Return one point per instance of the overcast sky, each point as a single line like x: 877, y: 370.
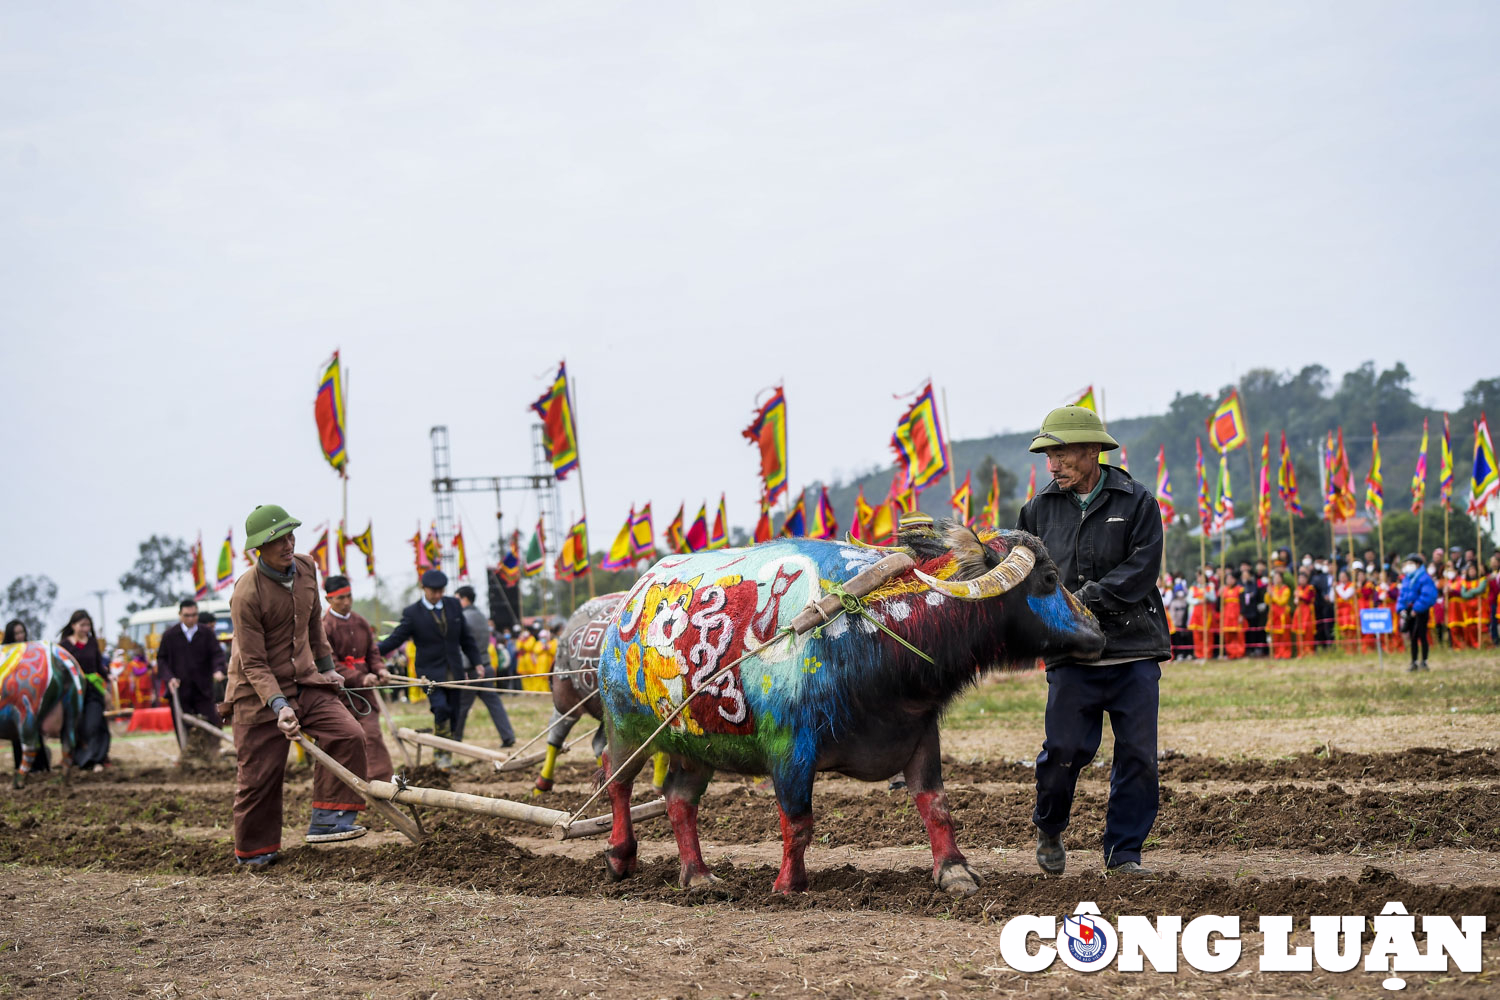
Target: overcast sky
x: 200, y: 201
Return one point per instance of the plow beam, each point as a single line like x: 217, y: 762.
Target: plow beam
x: 502, y: 761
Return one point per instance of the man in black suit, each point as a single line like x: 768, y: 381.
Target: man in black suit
x: 190, y: 660
x: 436, y: 625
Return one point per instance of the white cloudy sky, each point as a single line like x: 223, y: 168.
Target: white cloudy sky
x: 199, y: 201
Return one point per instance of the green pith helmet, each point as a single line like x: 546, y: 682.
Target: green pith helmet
x: 1072, y: 425
x: 267, y: 523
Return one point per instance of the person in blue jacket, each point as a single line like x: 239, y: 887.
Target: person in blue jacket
x: 1418, y: 594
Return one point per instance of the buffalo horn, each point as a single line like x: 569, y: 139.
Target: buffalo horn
x: 1011, y: 571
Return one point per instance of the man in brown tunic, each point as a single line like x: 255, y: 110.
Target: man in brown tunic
x: 281, y: 681
x: 356, y: 656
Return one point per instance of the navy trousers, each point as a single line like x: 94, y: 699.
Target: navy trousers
x: 445, y: 704
x: 491, y: 700
x: 1077, y: 698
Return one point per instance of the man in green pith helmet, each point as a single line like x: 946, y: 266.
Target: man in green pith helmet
x: 282, y: 683
x: 1103, y: 530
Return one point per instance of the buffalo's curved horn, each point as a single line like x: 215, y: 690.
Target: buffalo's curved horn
x: 1011, y: 571
x: 859, y: 544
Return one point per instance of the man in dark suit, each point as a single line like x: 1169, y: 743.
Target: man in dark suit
x: 436, y: 625
x: 190, y: 660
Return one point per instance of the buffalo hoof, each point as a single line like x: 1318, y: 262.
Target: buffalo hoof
x: 18, y: 782
x: 787, y: 886
x: 957, y: 878
x: 618, y: 867
x: 693, y: 878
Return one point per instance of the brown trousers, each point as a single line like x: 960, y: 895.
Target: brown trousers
x: 262, y: 751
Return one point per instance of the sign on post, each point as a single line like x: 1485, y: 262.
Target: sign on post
x: 1377, y: 621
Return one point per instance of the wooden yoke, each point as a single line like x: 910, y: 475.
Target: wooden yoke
x: 865, y: 582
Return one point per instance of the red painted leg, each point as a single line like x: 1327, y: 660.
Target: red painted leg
x: 684, y: 817
x: 949, y: 868
x: 796, y: 834
x: 620, y: 856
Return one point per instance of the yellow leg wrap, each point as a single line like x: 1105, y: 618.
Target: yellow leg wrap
x: 659, y: 772
x: 544, y: 780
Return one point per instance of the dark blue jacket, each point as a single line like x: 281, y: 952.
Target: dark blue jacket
x: 1418, y: 592
x: 440, y: 656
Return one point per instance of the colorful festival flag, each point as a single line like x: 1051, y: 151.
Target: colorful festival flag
x: 1419, y: 477
x: 676, y: 540
x: 824, y: 524
x: 319, y: 552
x: 905, y: 500
x: 1341, y: 503
x: 1224, y: 499
x: 796, y: 520
x: 859, y: 530
x: 1263, y: 500
x: 697, y: 533
x: 768, y: 433
x: 225, y: 575
x: 961, y: 500
x: 1124, y: 459
x: 763, y: 530
x: 1164, y: 488
x: 1445, y: 470
x: 1086, y: 400
x: 1030, y: 484
x: 1286, y: 482
x: 918, y: 442
x: 1486, y: 475
x: 559, y: 436
x: 1205, y: 504
x: 990, y: 516
x: 509, y: 569
x: 536, y: 551
x: 328, y: 411
x: 432, y: 547
x: 1375, y: 482
x: 200, y: 572
x: 642, y: 535
x: 420, y: 555
x: 575, y: 551
x: 882, y: 524
x: 1226, y: 428
x: 366, y: 545
x: 461, y: 552
x: 620, y: 555
x: 718, y: 538
x: 340, y: 547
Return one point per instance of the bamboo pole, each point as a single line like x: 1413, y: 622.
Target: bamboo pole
x: 442, y: 798
x: 1223, y: 539
x: 948, y: 437
x: 603, y: 824
x: 209, y: 727
x: 503, y: 761
x: 380, y: 803
x: 583, y: 503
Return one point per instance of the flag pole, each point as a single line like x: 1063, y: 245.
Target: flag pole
x: 948, y: 440
x: 583, y: 503
x: 1250, y: 464
x: 344, y: 472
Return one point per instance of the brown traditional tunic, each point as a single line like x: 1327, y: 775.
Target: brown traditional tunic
x: 278, y: 639
x: 357, y: 656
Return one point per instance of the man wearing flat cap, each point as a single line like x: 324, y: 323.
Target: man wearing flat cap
x: 435, y: 624
x: 282, y: 683
x: 1103, y: 530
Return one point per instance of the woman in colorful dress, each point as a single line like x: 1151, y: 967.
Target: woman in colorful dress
x: 1367, y: 597
x: 1305, y: 617
x: 1202, y: 619
x: 1473, y: 594
x: 1345, y: 614
x: 1279, y: 624
x: 1232, y: 617
x: 1450, y: 591
x: 1390, y: 590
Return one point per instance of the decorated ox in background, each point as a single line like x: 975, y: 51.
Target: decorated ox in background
x: 37, y: 678
x: 578, y: 648
x: 849, y: 696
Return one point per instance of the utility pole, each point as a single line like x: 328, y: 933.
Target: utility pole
x: 100, y: 594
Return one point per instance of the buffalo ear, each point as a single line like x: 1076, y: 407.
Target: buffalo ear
x: 970, y: 555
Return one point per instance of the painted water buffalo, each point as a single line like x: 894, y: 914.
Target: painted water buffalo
x: 578, y: 648
x: 848, y: 696
x: 37, y: 678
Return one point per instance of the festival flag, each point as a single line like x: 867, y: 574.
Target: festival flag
x: 432, y: 547
x: 1226, y: 428
x: 1086, y: 400
x: 1375, y: 482
x: 461, y: 552
x: 718, y: 538
x: 225, y: 574
x: 1164, y: 488
x: 763, y: 530
x: 1205, y: 505
x: 882, y: 524
x: 1341, y: 503
x: 859, y: 530
x: 1286, y: 482
x: 1224, y: 498
x: 1030, y: 484
x: 824, y: 524
x: 366, y: 545
x: 536, y: 551
x: 918, y: 442
x: 962, y: 500
x: 697, y: 534
x: 768, y: 432
x: 1263, y: 501
x: 328, y: 411
x: 796, y: 521
x: 1445, y: 470
x: 1486, y: 475
x: 340, y: 547
x: 621, y: 553
x: 559, y: 436
x: 676, y: 541
x: 642, y: 535
x: 509, y: 569
x: 419, y: 552
x: 579, y: 537
x: 319, y: 552
x: 905, y: 500
x: 1124, y: 459
x: 990, y: 516
x: 200, y: 572
x: 1419, y: 477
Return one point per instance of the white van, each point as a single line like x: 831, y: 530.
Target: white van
x: 146, y: 627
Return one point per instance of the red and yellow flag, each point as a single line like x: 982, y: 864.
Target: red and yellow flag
x: 676, y: 540
x: 1086, y: 400
x: 1419, y: 477
x: 460, y: 552
x: 200, y: 571
x: 1340, y: 504
x: 642, y: 535
x: 1445, y: 469
x: 1263, y: 500
x: 1375, y: 482
x: 225, y: 574
x: 963, y: 499
x: 824, y: 524
x: 921, y: 451
x: 697, y: 534
x: 366, y: 544
x: 319, y: 553
x: 718, y: 537
x: 1226, y: 428
x: 859, y: 530
x: 328, y: 411
x: 559, y: 436
x: 1485, y: 482
x: 768, y: 433
x: 763, y: 529
x: 1286, y: 482
x: 1030, y: 484
x: 1164, y: 488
